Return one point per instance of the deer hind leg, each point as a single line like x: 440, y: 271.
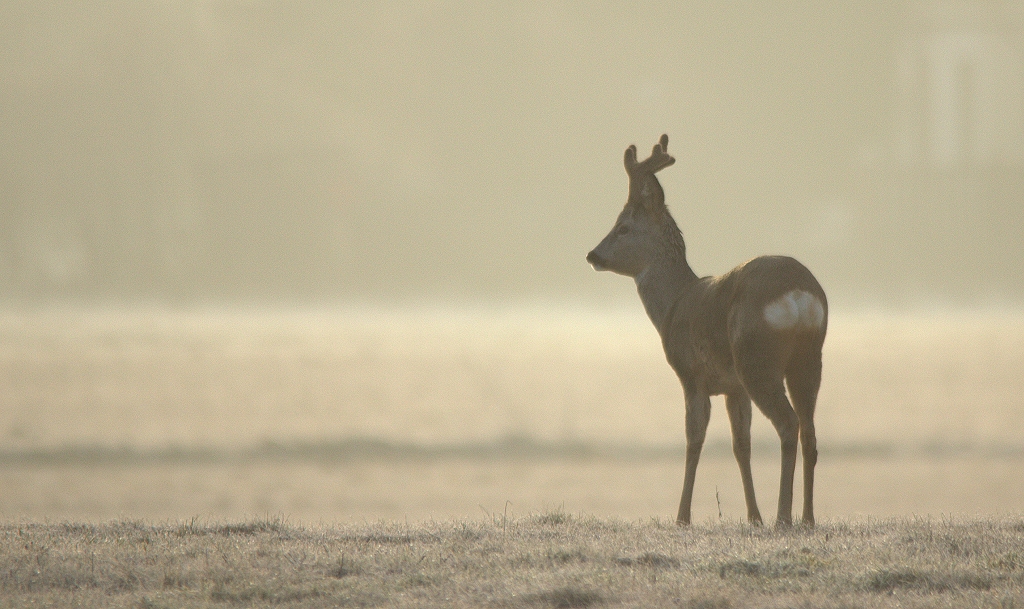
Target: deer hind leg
x: 803, y: 379
x: 765, y: 386
x: 698, y: 413
x: 738, y: 406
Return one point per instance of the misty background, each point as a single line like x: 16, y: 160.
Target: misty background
x: 392, y: 152
x: 326, y: 258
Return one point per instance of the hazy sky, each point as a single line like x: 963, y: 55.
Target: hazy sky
x: 440, y: 150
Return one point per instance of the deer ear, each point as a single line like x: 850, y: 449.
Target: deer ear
x: 651, y: 196
x: 664, y: 142
x: 630, y: 159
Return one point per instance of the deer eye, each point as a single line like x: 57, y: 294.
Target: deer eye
x: 622, y: 230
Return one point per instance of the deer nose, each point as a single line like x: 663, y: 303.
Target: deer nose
x: 595, y: 260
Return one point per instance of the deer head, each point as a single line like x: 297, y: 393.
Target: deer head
x: 644, y: 231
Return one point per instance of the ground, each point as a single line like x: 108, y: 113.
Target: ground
x: 550, y: 559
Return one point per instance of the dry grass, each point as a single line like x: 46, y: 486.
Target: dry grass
x: 551, y: 559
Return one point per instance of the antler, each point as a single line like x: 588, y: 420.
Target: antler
x: 659, y: 159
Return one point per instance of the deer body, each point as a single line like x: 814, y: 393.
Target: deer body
x: 747, y: 334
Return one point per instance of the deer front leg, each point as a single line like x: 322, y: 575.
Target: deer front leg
x: 738, y: 406
x: 698, y: 413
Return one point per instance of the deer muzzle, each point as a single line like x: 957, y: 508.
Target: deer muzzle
x: 596, y: 261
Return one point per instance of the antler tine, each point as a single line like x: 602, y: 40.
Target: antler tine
x: 630, y: 160
x: 658, y: 160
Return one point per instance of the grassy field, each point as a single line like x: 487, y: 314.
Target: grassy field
x: 111, y: 422
x: 337, y: 416
x: 550, y: 559
x: 232, y: 380
x: 355, y: 490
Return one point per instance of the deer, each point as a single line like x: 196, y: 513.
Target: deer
x: 748, y: 334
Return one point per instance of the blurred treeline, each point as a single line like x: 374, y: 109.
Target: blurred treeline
x: 196, y: 150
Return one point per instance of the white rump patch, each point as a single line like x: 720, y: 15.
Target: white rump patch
x: 793, y: 309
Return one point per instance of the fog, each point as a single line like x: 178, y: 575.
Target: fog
x: 202, y: 151
x: 327, y: 258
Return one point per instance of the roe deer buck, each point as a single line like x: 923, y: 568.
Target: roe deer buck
x: 739, y: 334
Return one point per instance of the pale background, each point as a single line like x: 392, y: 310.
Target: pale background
x: 327, y: 259
x: 184, y: 151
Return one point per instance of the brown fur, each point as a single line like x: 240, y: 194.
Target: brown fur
x: 716, y: 336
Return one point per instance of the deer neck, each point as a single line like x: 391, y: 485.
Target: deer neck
x: 662, y: 284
